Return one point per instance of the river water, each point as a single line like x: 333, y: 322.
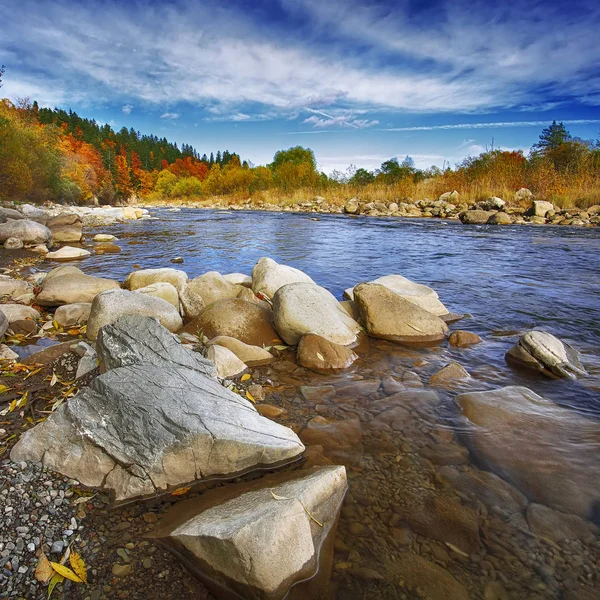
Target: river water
x: 408, y: 529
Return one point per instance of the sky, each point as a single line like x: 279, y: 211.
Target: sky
x: 358, y: 81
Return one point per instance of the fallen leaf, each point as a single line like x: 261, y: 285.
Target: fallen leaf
x: 73, y: 332
x: 83, y: 499
x: 44, y: 570
x: 320, y: 356
x: 32, y: 373
x: 56, y: 579
x: 78, y: 566
x: 53, y: 380
x: 279, y: 497
x: 181, y: 491
x: 301, y: 504
x: 66, y: 572
x: 250, y: 397
x: 456, y: 549
x: 4, y: 388
x: 245, y: 377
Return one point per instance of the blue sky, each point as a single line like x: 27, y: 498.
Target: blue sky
x: 358, y: 81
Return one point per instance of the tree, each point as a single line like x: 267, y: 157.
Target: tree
x: 551, y: 138
x: 294, y: 168
x: 362, y: 177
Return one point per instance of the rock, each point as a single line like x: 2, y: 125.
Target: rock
x: 163, y: 290
x: 121, y: 570
x: 449, y: 375
x: 253, y: 356
x: 545, y: 450
x: 545, y: 353
x: 351, y: 207
x: 40, y: 249
x: 492, y: 203
x: 107, y: 248
x: 14, y: 288
x: 500, y: 218
x: 135, y: 339
x: 523, y: 195
x: 3, y: 325
x: 29, y: 232
x: 421, y: 295
x: 104, y: 237
x: 140, y: 429
x: 342, y: 441
x: 258, y: 393
x: 301, y: 308
x: 5, y: 352
x: 238, y: 279
x: 145, y: 277
x: 226, y: 362
x: 451, y: 197
x: 463, y: 339
x: 248, y: 295
x: 268, y: 276
x: 13, y: 244
x: 389, y: 316
x: 109, y: 306
x: 270, y: 411
x: 35, y: 213
x: 178, y: 260
x: 89, y: 359
x: 258, y: 543
x: 557, y: 526
x: 244, y: 321
x: 68, y: 253
x: 319, y: 354
x: 204, y: 290
x: 539, y: 208
x: 476, y: 217
x: 66, y: 228
x: 18, y: 312
x: 9, y: 213
x: 69, y: 285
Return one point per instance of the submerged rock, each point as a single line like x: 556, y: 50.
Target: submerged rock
x: 452, y: 373
x: 301, y: 308
x: 547, y: 451
x: 143, y: 428
x: 463, y: 339
x: 545, y: 353
x: 268, y: 276
x: 322, y: 356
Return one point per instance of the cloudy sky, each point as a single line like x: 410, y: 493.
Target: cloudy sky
x: 358, y: 81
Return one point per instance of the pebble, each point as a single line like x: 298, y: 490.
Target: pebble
x: 121, y: 570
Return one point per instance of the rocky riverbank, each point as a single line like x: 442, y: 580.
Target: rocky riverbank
x: 262, y: 398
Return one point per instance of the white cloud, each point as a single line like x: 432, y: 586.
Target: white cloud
x: 343, y: 118
x: 127, y: 108
x: 497, y: 125
x: 169, y: 115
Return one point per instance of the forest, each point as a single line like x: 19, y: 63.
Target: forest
x: 55, y: 155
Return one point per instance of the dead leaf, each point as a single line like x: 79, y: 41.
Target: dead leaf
x: 280, y: 347
x: 32, y: 373
x: 181, y: 491
x: 56, y: 579
x: 66, y: 572
x: 250, y: 397
x: 53, y: 380
x: 44, y: 570
x: 245, y: 377
x: 78, y: 566
x: 4, y: 388
x: 456, y: 549
x: 301, y: 504
x: 83, y: 499
x: 320, y: 356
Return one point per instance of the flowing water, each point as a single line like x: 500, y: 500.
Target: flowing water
x: 422, y: 519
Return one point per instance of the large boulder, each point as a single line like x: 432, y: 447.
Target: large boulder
x: 242, y: 320
x: 198, y: 293
x: 268, y: 276
x: 145, y: 277
x: 492, y: 203
x: 135, y: 339
x: 163, y: 290
x: 540, y: 208
x: 253, y: 356
x: 451, y: 197
x: 500, y: 218
x: 68, y: 253
x: 34, y: 213
x: 109, y: 306
x: 69, y: 285
x: 476, y: 217
x: 523, y: 195
x: 69, y: 315
x: 259, y: 539
x: 301, y: 308
x: 18, y: 312
x: 547, y: 451
x: 388, y: 316
x: 9, y: 213
x: 142, y: 429
x: 417, y: 293
x: 14, y: 288
x: 66, y: 228
x: 322, y: 356
x: 547, y: 354
x: 29, y: 232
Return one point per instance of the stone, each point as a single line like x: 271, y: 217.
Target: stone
x: 558, y: 526
x: 18, y: 312
x: 421, y: 295
x: 226, y: 362
x: 14, y: 288
x: 475, y: 217
x: 463, y: 339
x: 351, y: 207
x: 68, y: 253
x: 107, y: 248
x: 258, y: 543
x: 388, y: 316
x: 69, y: 285
x: 268, y: 276
x: 3, y: 324
x: 545, y: 450
x: 109, y: 306
x: 40, y: 249
x: 547, y: 354
x: 140, y: 429
x: 5, y: 352
x: 244, y: 321
x: 540, y: 208
x: 165, y: 291
x: 253, y: 356
x: 500, y: 218
x: 451, y: 197
x: 492, y: 203
x: 66, y: 228
x: 121, y: 570
x: 104, y: 237
x: 342, y: 441
x: 204, y: 290
x: 301, y: 308
x: 29, y: 232
x: 449, y: 375
x: 70, y: 315
x: 135, y: 339
x: 248, y: 295
x: 9, y: 213
x: 238, y: 279
x: 322, y: 356
x: 523, y: 195
x: 144, y: 277
x: 270, y: 411
x: 13, y: 244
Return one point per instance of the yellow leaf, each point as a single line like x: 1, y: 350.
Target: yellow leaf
x: 44, y: 570
x: 53, y: 380
x: 245, y: 377
x: 73, y: 331
x: 320, y: 356
x: 280, y: 347
x: 4, y: 388
x: 23, y: 401
x: 32, y: 373
x: 279, y: 497
x: 250, y: 397
x: 65, y: 572
x: 12, y: 406
x: 181, y: 491
x: 56, y: 579
x: 78, y: 566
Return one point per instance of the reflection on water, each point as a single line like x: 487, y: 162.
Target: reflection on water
x: 422, y: 518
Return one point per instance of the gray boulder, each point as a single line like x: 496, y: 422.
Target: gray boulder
x: 492, y: 203
x: 141, y: 429
x: 66, y: 228
x: 29, y: 232
x: 69, y: 285
x: 135, y: 339
x: 476, y: 217
x: 9, y: 213
x: 543, y: 352
x: 14, y: 288
x: 268, y: 276
x: 3, y: 325
x: 540, y: 208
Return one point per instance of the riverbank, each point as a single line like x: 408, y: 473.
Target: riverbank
x: 420, y: 514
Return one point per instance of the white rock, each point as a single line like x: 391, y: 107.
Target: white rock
x: 253, y: 356
x: 163, y: 290
x: 69, y: 285
x: 104, y: 237
x: 29, y: 232
x: 238, y: 278
x: 145, y: 277
x: 268, y: 276
x: 18, y: 312
x: 70, y: 315
x: 7, y: 354
x: 14, y: 287
x: 13, y: 244
x: 68, y: 253
x: 226, y: 362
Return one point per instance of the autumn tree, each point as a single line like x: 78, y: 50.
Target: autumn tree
x: 295, y: 168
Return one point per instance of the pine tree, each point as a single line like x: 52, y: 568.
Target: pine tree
x: 551, y: 138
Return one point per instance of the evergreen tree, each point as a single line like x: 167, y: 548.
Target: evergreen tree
x: 218, y: 158
x: 552, y: 138
x: 211, y: 162
x: 2, y: 69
